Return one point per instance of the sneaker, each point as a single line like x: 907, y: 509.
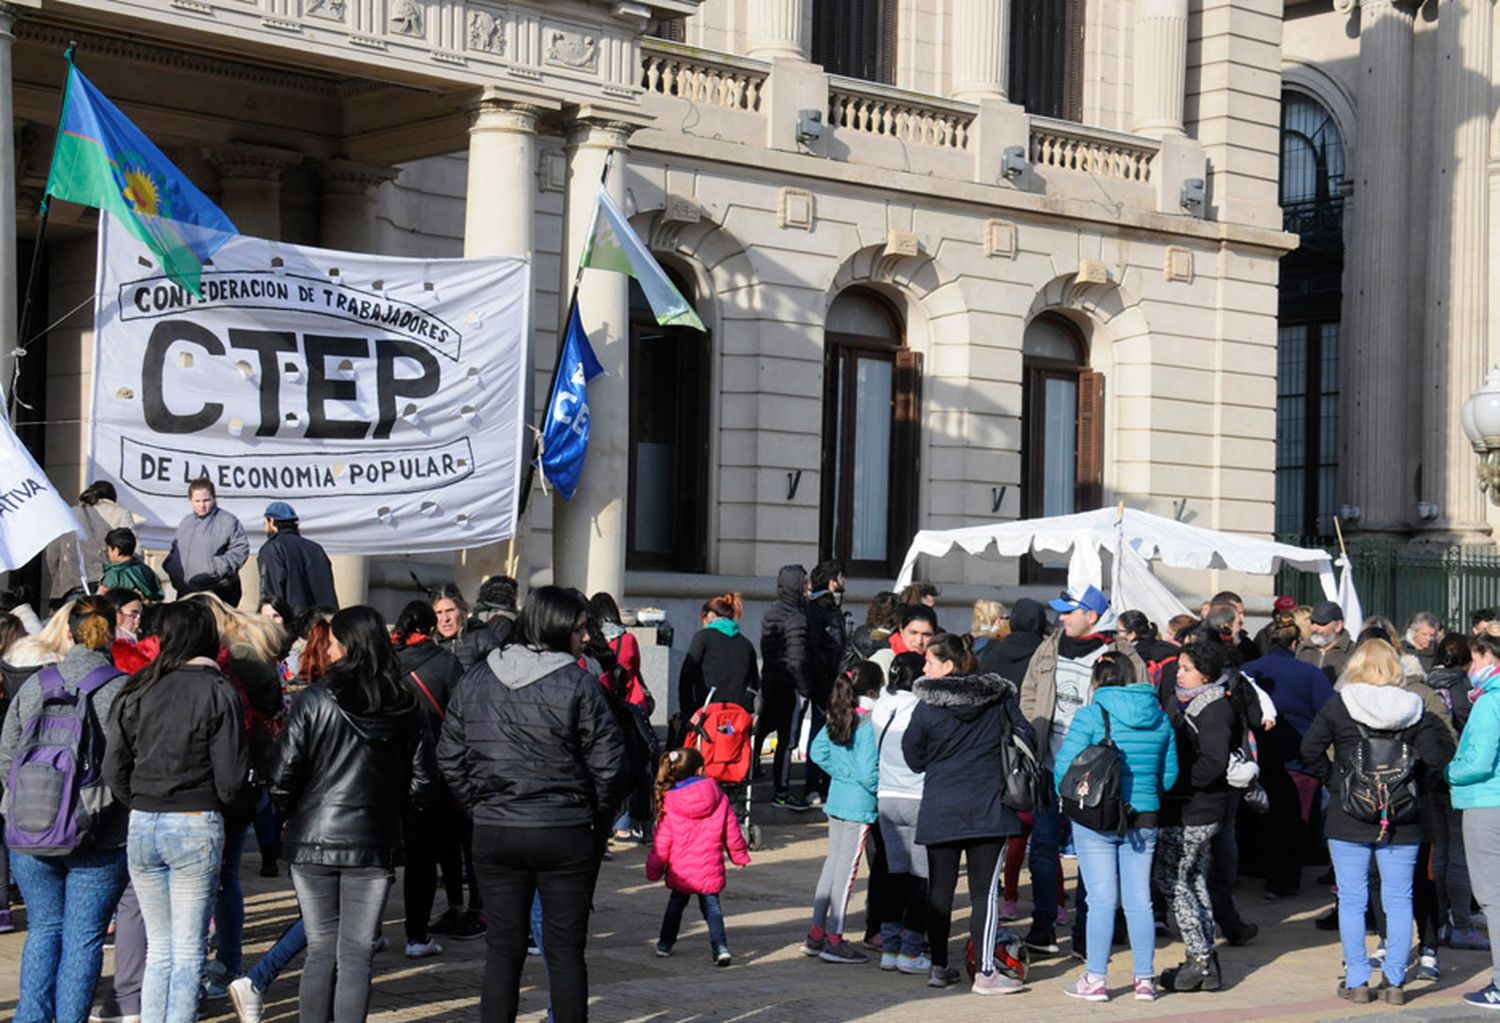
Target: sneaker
x: 1090, y: 989
x: 722, y: 956
x: 468, y: 927
x: 423, y: 949
x: 1485, y: 998
x: 248, y: 1003
x: 1041, y: 939
x: 134, y: 1017
x: 917, y: 964
x: 1427, y: 964
x: 1069, y: 852
x: 814, y: 800
x: 888, y: 961
x: 1469, y: 938
x: 663, y: 949
x: 532, y: 948
x: 812, y: 946
x: 445, y: 922
x: 837, y: 950
x: 996, y: 983
x: 1377, y: 957
x: 6, y: 923
x: 946, y: 976
x: 875, y: 941
x: 790, y: 801
x: 1009, y: 911
x: 1145, y: 989
x: 215, y: 981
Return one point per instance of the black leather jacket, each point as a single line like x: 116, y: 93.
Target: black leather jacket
x: 530, y: 742
x: 340, y: 779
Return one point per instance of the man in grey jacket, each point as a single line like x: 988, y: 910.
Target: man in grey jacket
x: 209, y: 550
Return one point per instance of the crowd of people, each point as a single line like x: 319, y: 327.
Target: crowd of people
x: 497, y: 750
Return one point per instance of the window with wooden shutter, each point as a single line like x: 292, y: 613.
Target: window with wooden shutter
x: 1062, y: 430
x: 906, y: 450
x: 1046, y: 57
x: 1090, y: 461
x: 855, y: 38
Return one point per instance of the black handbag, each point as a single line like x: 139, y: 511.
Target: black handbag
x: 1092, y: 792
x: 1020, y: 770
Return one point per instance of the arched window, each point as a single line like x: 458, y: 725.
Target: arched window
x: 855, y: 38
x: 871, y: 435
x: 666, y: 522
x: 1062, y: 413
x: 1309, y: 318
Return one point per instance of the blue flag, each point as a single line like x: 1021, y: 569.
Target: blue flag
x: 565, y: 439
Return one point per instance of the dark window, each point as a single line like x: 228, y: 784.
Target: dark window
x: 1308, y: 320
x: 855, y: 38
x: 1046, y: 57
x: 669, y: 390
x: 871, y: 436
x: 1062, y: 415
x: 671, y: 29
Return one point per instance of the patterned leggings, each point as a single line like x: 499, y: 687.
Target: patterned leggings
x: 1182, y: 872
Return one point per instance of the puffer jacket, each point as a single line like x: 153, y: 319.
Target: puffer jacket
x: 783, y: 634
x: 342, y: 776
x: 827, y: 636
x: 697, y: 825
x: 1208, y: 728
x: 439, y: 672
x: 853, y: 772
x: 1474, y: 773
x: 1141, y: 730
x: 1379, y: 708
x: 954, y: 737
x: 890, y: 719
x: 1452, y: 687
x: 470, y: 646
x: 1010, y: 657
x: 530, y: 742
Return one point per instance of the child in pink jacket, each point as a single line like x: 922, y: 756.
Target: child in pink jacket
x: 694, y: 826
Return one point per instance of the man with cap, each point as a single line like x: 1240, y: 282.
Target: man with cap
x: 293, y: 567
x: 1327, y: 645
x: 1057, y: 683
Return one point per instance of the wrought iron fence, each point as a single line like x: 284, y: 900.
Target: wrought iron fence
x: 1398, y: 580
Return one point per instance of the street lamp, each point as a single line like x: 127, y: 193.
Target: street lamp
x: 1481, y: 421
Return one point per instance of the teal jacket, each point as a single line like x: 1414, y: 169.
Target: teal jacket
x: 134, y: 574
x: 1140, y: 729
x: 1474, y: 771
x: 853, y: 770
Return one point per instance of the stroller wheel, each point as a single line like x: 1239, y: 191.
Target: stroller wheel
x: 753, y: 838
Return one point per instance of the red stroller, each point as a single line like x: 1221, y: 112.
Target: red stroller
x: 724, y: 734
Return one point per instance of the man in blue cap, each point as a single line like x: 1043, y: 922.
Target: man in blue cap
x: 293, y: 567
x: 1057, y: 683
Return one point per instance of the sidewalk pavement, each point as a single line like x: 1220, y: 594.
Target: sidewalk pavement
x: 1287, y: 974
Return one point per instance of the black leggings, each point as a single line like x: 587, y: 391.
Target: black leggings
x: 779, y: 704
x: 984, y: 860
x: 432, y: 838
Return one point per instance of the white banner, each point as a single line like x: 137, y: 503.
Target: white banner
x: 380, y: 396
x: 31, y: 511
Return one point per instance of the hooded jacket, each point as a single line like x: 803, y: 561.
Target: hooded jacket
x: 297, y: 570
x: 1010, y: 657
x: 890, y: 719
x: 722, y: 661
x: 1038, y: 698
x: 783, y: 634
x: 207, y: 554
x: 530, y: 742
x: 1141, y: 730
x: 1474, y: 772
x: 954, y: 737
x: 1378, y: 708
x: 1452, y: 686
x: 697, y: 825
x: 439, y: 672
x: 827, y: 637
x: 1207, y: 729
x: 1331, y: 659
x: 341, y: 778
x: 853, y: 772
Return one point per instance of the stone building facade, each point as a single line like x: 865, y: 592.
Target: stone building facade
x: 960, y: 260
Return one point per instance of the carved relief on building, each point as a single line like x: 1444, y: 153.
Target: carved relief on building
x: 406, y: 17
x: 331, y: 9
x: 485, y: 31
x: 572, y: 49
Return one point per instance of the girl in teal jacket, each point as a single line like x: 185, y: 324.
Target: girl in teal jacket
x: 847, y: 749
x: 1474, y: 777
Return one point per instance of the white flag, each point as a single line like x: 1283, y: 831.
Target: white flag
x: 1354, y: 614
x: 31, y: 512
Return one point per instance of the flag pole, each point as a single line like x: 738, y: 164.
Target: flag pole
x: 531, y: 462
x: 23, y: 328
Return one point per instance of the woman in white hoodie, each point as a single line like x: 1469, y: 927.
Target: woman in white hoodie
x: 900, y: 796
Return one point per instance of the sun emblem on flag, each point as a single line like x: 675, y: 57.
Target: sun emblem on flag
x: 142, y: 192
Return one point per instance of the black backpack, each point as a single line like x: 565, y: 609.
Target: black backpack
x: 1092, y: 792
x: 1380, y: 784
x: 1020, y: 769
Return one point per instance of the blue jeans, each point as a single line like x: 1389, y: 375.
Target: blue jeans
x: 713, y: 915
x: 1046, y: 840
x: 1351, y: 867
x: 292, y: 941
x: 174, y: 866
x: 1117, y: 871
x: 68, y: 903
x: 229, y: 906
x: 536, y: 937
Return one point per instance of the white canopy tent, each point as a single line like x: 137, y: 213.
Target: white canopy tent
x: 1132, y: 539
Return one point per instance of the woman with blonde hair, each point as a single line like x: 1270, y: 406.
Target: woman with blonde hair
x: 991, y: 622
x: 1372, y: 720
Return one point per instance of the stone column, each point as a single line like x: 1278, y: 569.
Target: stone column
x: 1160, y: 66
x: 499, y: 216
x: 588, y: 532
x: 1375, y: 356
x: 347, y: 223
x: 775, y: 29
x: 981, y: 49
x: 250, y: 185
x: 9, y: 272
x: 1455, y: 340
